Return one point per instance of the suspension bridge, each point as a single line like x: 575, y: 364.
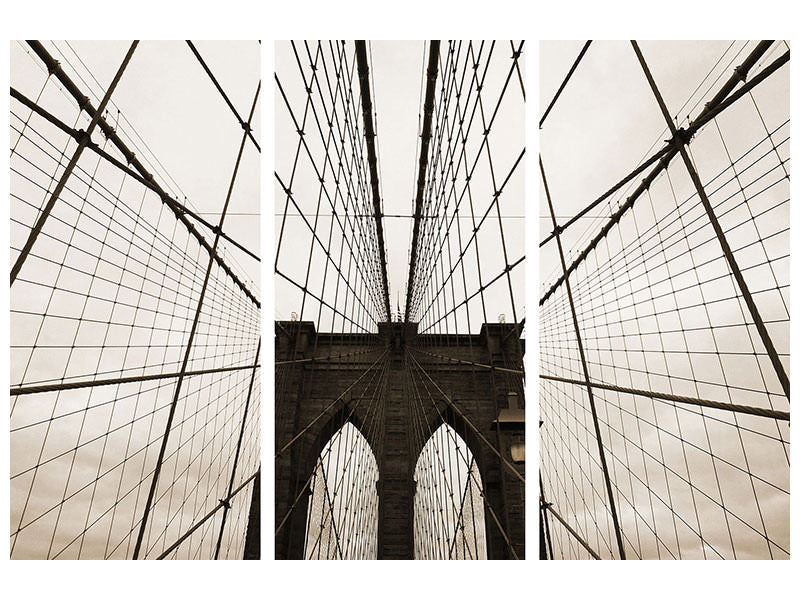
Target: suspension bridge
x: 664, y: 307
x: 135, y: 327
x: 399, y: 430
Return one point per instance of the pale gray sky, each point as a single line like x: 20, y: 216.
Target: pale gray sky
x: 124, y: 301
x: 668, y: 321
x: 397, y: 71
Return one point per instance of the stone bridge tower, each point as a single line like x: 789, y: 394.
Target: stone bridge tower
x: 468, y: 369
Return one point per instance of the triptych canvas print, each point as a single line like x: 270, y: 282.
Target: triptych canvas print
x: 410, y: 233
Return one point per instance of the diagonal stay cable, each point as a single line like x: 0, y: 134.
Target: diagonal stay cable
x: 379, y: 385
x: 549, y: 507
x: 492, y: 512
x: 303, y: 431
x: 739, y: 408
x: 564, y: 82
x: 245, y: 126
x: 192, y: 333
x: 712, y: 108
x: 73, y: 385
x: 111, y: 134
x: 84, y: 141
x: 238, y: 451
x: 471, y: 425
x: 196, y: 526
x: 577, y: 331
x: 471, y: 363
x: 732, y: 262
x: 149, y: 183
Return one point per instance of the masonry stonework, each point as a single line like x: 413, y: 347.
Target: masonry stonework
x: 479, y: 391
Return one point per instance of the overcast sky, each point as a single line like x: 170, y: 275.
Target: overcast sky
x: 658, y: 310
x: 125, y: 298
x: 397, y: 71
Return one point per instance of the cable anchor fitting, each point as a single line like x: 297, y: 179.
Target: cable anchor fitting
x: 83, y: 137
x: 681, y: 138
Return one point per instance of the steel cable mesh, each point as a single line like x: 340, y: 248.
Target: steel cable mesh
x: 102, y: 312
x: 344, y: 500
x: 198, y: 461
x: 103, y: 278
x: 448, y: 483
x: 324, y: 182
x: 472, y: 194
x: 466, y: 271
x: 329, y: 279
x: 217, y: 451
x: 660, y: 316
x: 333, y: 374
x: 469, y: 532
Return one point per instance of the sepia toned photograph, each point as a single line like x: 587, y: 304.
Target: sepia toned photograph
x: 664, y: 300
x: 391, y: 243
x: 135, y: 328
x: 399, y: 300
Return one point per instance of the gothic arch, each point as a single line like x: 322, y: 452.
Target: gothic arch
x: 310, y: 392
x: 342, y: 514
x: 447, y: 468
x: 305, y: 455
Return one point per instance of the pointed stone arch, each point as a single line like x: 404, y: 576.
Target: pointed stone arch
x: 304, y: 455
x: 446, y: 468
x: 309, y: 384
x: 342, y: 515
x: 314, y: 408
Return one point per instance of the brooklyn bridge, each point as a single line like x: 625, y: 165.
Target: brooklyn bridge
x: 400, y: 300
x: 135, y: 314
x: 664, y: 301
x: 399, y: 418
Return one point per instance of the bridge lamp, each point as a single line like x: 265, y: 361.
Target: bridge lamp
x: 511, y: 421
